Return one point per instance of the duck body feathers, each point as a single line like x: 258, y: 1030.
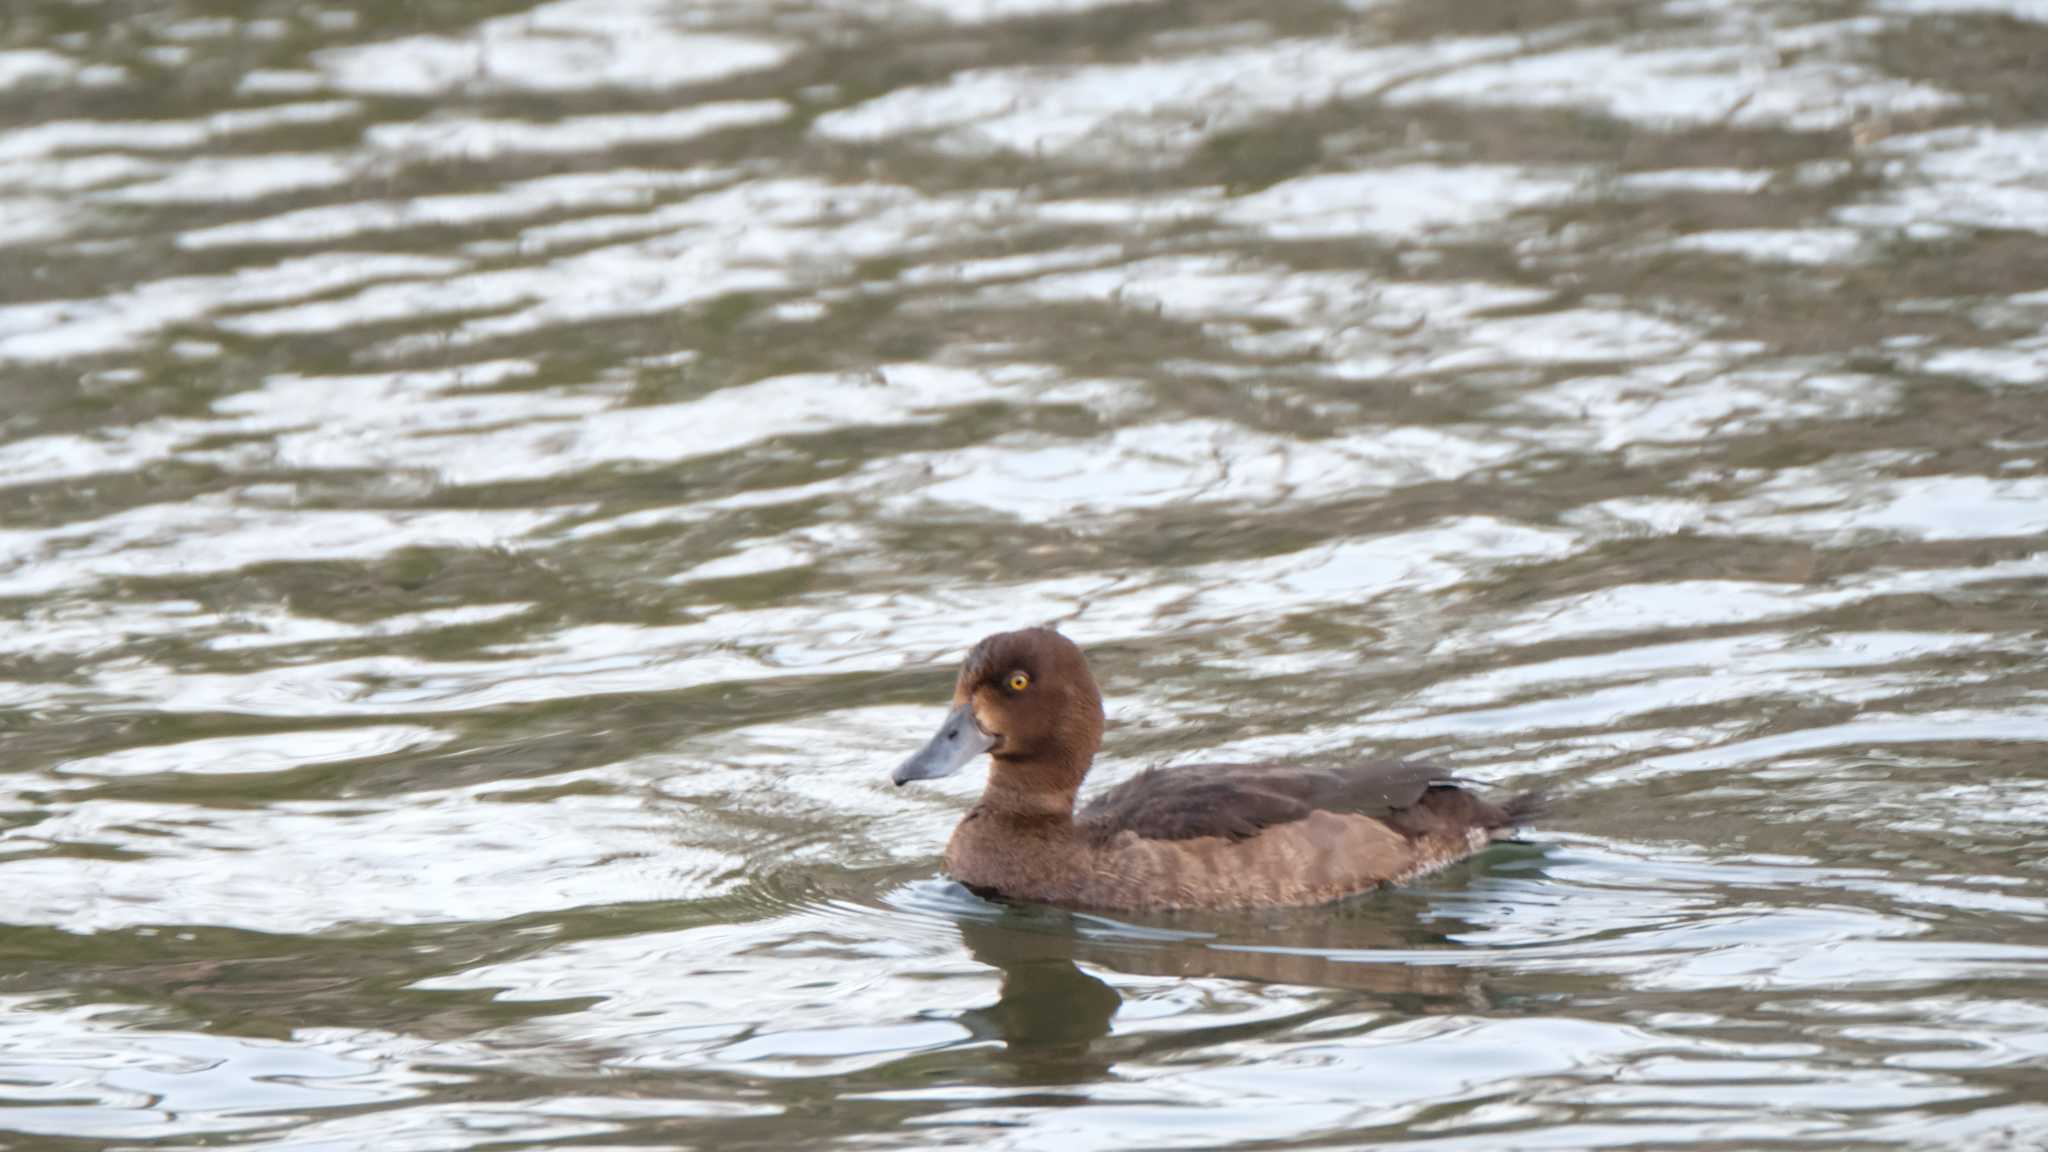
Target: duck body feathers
x: 1238, y: 801
x: 1234, y: 836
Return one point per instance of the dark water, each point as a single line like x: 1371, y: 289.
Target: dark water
x: 487, y: 492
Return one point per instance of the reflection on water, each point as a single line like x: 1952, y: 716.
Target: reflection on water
x: 487, y: 488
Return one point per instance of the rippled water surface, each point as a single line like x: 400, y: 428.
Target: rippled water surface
x: 487, y: 491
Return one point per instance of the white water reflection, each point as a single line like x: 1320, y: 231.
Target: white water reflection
x: 62, y: 137
x: 282, y: 752
x: 221, y: 535
x: 97, y: 865
x: 1405, y: 203
x: 1693, y: 401
x: 1140, y: 113
x: 1973, y: 177
x: 1816, y: 246
x: 528, y: 435
x: 228, y: 179
x: 565, y: 46
x: 86, y: 1073
x: 468, y: 138
x: 1802, y: 77
x: 1872, y: 729
x: 1675, y: 606
x: 2021, y: 9
x: 60, y: 329
x: 1843, y: 501
x: 1156, y: 465
x: 577, y: 1120
x: 33, y: 68
x: 1667, y: 180
x: 2022, y: 363
x: 601, y: 191
x: 757, y: 236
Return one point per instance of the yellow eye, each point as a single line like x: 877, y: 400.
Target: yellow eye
x: 1019, y: 681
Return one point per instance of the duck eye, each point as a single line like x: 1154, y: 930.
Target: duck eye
x: 1019, y: 681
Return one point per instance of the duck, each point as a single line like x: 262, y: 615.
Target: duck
x: 1198, y: 836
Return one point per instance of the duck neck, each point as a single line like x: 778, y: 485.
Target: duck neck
x: 1034, y: 791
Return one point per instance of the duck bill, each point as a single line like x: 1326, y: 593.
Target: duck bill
x: 958, y: 741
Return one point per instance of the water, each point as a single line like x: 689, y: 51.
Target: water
x: 489, y: 492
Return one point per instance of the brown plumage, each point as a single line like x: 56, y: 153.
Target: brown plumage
x: 1202, y: 836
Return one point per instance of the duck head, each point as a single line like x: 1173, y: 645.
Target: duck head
x: 1026, y: 699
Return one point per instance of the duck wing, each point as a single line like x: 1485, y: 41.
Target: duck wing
x: 1238, y: 801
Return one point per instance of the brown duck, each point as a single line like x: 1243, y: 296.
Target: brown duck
x: 1200, y: 836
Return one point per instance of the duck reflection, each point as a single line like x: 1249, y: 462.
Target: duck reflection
x: 1053, y: 1017
x: 1049, y: 1013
